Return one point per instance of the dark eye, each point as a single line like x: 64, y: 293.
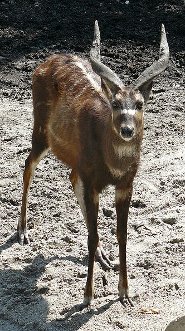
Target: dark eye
x: 116, y: 104
x: 139, y: 105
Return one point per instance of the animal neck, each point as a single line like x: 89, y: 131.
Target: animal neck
x: 120, y: 155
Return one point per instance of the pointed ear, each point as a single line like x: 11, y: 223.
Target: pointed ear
x: 106, y: 90
x: 145, y: 90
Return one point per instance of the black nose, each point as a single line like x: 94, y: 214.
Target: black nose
x: 127, y: 131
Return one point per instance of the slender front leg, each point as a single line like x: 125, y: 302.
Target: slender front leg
x: 78, y: 188
x: 123, y: 197
x: 88, y: 199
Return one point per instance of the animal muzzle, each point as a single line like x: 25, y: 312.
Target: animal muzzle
x: 127, y: 132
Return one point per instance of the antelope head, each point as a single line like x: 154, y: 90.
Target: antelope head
x: 127, y: 103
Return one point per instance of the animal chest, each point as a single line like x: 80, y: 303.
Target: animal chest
x: 122, y: 162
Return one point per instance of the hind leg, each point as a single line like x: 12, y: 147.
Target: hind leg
x: 39, y: 150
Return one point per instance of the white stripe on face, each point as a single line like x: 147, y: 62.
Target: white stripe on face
x: 129, y: 111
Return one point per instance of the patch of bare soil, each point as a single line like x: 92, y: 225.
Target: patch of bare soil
x: 41, y: 285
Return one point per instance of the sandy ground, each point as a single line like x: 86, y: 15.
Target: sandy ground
x: 41, y: 285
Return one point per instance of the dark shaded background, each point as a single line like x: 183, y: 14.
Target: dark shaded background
x: 130, y: 33
x: 62, y: 24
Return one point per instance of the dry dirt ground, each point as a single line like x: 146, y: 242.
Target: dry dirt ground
x: 41, y: 285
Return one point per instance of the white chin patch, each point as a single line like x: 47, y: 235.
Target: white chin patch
x: 126, y: 138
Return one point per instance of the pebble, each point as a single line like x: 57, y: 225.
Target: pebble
x: 67, y: 239
x: 104, y: 280
x: 82, y: 274
x: 169, y: 220
x: 176, y: 286
x: 176, y: 240
x: 107, y: 212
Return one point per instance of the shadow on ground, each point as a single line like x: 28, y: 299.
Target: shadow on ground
x: 31, y: 308
x: 177, y: 325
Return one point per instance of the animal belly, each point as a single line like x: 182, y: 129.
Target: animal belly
x: 65, y: 151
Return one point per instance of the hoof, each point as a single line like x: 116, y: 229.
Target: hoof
x: 125, y: 301
x: 103, y: 259
x: 124, y: 297
x: 86, y: 303
x: 23, y: 238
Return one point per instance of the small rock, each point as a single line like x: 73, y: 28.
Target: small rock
x: 31, y: 225
x: 137, y: 224
x: 107, y: 212
x: 176, y: 286
x: 132, y: 276
x: 6, y: 234
x: 73, y: 229
x: 170, y: 220
x: 43, y: 290
x: 58, y: 214
x: 138, y: 204
x: 119, y: 324
x: 67, y: 239
x: 104, y: 280
x: 81, y: 274
x: 176, y: 240
x: 68, y: 249
x: 146, y: 264
x: 150, y: 310
x: 113, y: 231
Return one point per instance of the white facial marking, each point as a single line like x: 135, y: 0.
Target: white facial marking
x: 126, y: 138
x: 129, y: 111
